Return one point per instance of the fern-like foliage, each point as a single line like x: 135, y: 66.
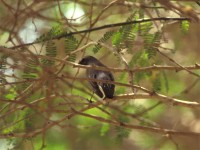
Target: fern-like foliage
x: 123, y: 79
x: 140, y: 58
x: 22, y: 122
x: 54, y: 32
x: 71, y: 44
x: 144, y: 28
x: 151, y: 40
x: 50, y: 52
x: 30, y: 72
x: 105, y: 37
x: 123, y: 39
x: 157, y: 84
x: 104, y: 129
x: 122, y: 132
x: 150, y: 43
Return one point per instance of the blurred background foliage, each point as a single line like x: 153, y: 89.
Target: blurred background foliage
x: 43, y: 93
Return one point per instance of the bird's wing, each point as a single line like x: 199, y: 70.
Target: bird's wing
x: 93, y: 75
x: 107, y: 88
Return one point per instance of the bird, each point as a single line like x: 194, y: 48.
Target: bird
x: 102, y: 89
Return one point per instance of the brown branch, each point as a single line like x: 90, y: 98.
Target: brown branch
x: 163, y: 98
x: 173, y: 61
x: 144, y: 128
x: 114, y: 122
x: 105, y: 27
x: 190, y: 87
x: 106, y: 81
x: 130, y: 74
x: 75, y: 65
x: 51, y: 124
x: 103, y: 10
x: 134, y: 116
x: 93, y: 105
x: 149, y: 94
x: 149, y: 68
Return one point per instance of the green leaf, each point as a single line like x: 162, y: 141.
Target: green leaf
x: 116, y: 38
x: 143, y: 61
x: 150, y: 43
x: 144, y: 28
x: 136, y: 57
x: 50, y: 52
x: 139, y: 76
x: 123, y: 79
x: 53, y: 32
x: 30, y: 75
x: 105, y: 37
x: 157, y: 84
x: 71, y: 44
x: 19, y: 123
x: 123, y: 39
x: 122, y: 133
x: 104, y: 129
x: 185, y: 26
x: 151, y: 53
x: 10, y: 96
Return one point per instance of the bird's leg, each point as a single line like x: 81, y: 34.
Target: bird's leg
x: 90, y: 100
x: 102, y: 91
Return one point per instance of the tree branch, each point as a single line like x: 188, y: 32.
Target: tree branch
x: 106, y: 27
x: 163, y: 98
x: 144, y: 128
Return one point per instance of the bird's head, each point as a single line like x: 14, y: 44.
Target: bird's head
x: 88, y: 60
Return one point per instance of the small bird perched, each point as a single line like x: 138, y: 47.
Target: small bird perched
x: 103, y: 90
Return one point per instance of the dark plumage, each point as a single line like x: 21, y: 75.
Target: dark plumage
x: 103, y: 90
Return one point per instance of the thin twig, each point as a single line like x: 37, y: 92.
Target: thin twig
x: 172, y: 60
